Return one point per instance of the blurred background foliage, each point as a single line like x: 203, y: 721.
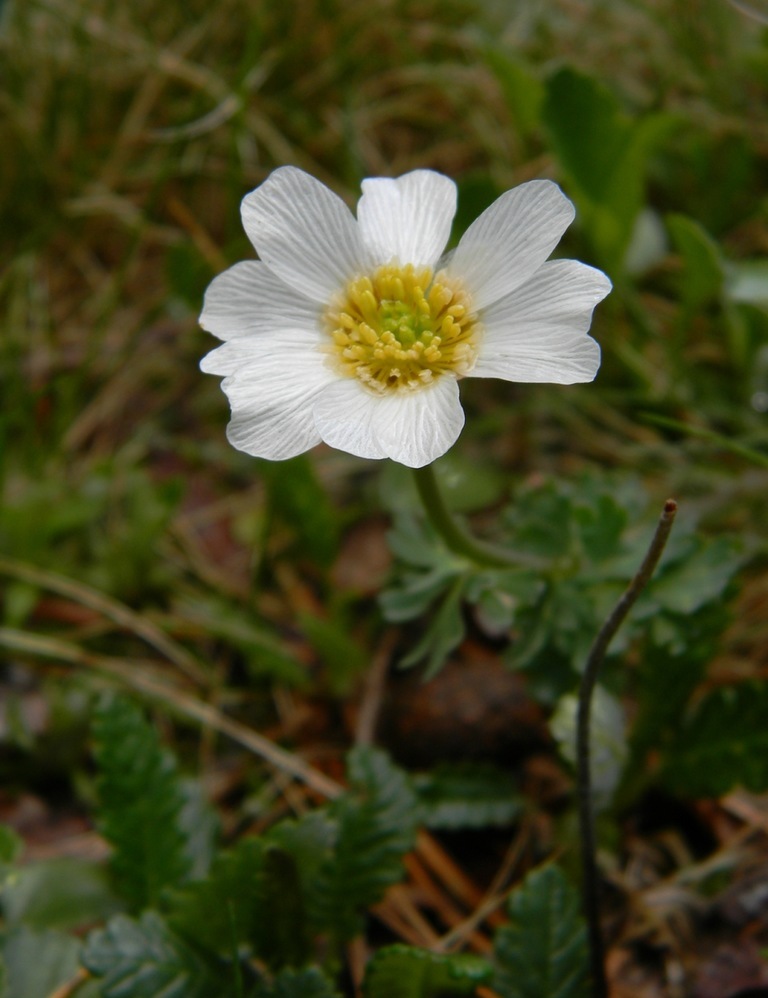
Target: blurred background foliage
x: 134, y: 542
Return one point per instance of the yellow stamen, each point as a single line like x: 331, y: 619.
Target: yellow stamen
x: 400, y: 328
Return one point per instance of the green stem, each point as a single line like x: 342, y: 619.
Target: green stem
x: 455, y: 535
x: 583, y: 748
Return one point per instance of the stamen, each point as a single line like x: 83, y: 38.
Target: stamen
x: 400, y: 328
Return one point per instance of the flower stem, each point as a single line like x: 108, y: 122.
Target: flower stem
x: 455, y: 535
x: 584, y: 775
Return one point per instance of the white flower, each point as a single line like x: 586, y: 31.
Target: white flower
x: 356, y: 331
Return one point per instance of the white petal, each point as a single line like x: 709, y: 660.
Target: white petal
x: 510, y: 240
x: 412, y: 427
x: 304, y: 233
x: 344, y: 415
x: 408, y: 218
x: 416, y: 428
x: 285, y: 347
x: 271, y: 388
x: 539, y: 332
x: 249, y: 299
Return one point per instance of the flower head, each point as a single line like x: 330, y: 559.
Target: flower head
x: 356, y: 332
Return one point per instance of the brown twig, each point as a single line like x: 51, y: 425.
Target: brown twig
x: 584, y: 776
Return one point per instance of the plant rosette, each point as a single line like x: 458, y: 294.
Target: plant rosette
x: 357, y: 331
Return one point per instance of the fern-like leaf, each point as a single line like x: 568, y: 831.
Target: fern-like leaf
x: 226, y: 911
x: 377, y: 822
x: 406, y: 972
x: 140, y: 802
x: 543, y: 951
x: 137, y: 959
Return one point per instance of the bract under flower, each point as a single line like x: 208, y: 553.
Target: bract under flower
x: 356, y: 331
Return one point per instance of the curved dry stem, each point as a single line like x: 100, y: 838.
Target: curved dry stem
x: 584, y: 775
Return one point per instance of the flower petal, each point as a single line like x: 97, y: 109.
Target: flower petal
x: 411, y: 427
x: 249, y: 299
x: 304, y: 233
x: 510, y: 240
x: 408, y: 218
x: 271, y: 386
x: 539, y: 332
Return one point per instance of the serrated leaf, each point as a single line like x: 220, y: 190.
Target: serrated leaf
x: 468, y: 796
x: 309, y: 839
x: 377, y: 820
x: 38, y: 962
x: 722, y: 744
x: 543, y: 951
x: 227, y: 909
x: 669, y: 672
x: 140, y: 803
x: 406, y: 972
x: 141, y: 958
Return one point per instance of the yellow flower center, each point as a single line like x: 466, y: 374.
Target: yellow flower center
x: 400, y: 328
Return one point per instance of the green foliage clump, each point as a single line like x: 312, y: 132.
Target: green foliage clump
x: 585, y: 550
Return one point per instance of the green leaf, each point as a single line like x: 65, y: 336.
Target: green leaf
x: 227, y: 909
x: 307, y: 983
x: 700, y: 573
x: 284, y: 939
x: 703, y: 264
x: 605, y: 154
x: 406, y: 972
x: 377, y: 820
x: 498, y: 594
x: 669, y: 672
x: 468, y: 796
x: 341, y: 654
x: 255, y: 896
x: 543, y: 951
x: 140, y: 803
x: 59, y: 894
x: 722, y: 744
x: 523, y: 92
x: 141, y: 958
x: 38, y: 962
x: 310, y: 840
x: 444, y: 632
x: 297, y: 499
x: 11, y: 846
